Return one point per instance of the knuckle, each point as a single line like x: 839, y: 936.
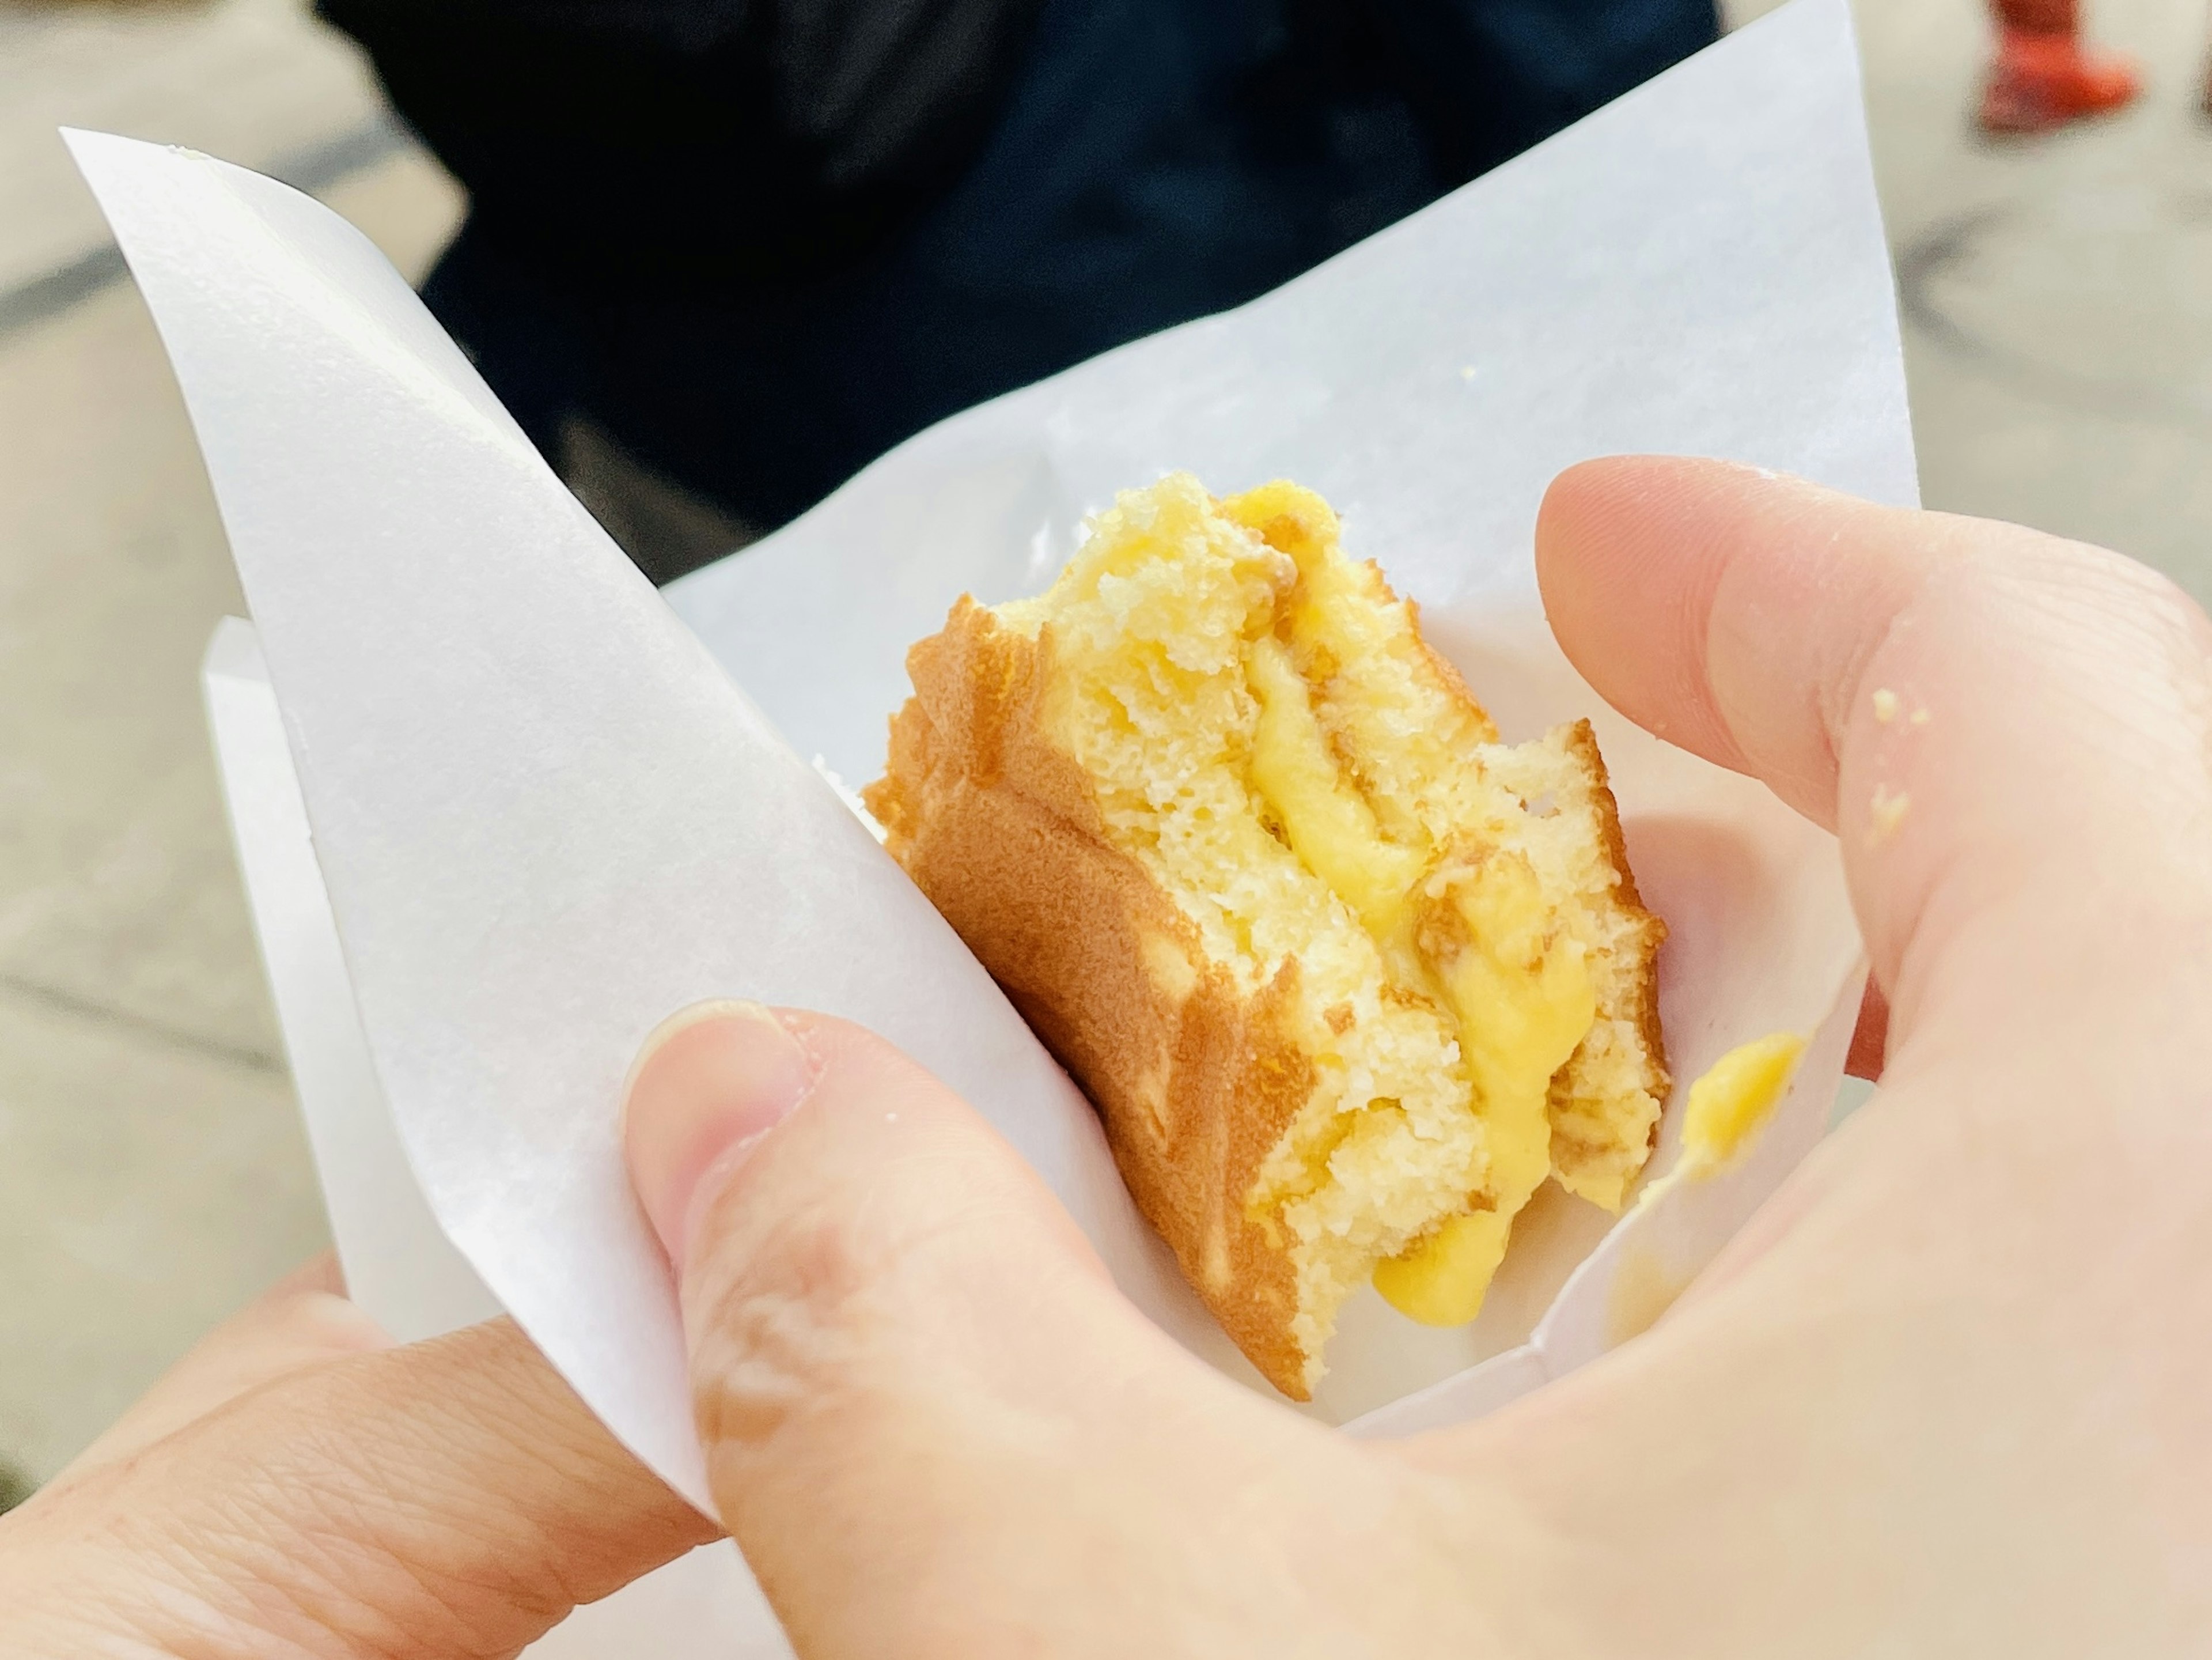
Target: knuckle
x: 2136, y: 645
x: 788, y: 1323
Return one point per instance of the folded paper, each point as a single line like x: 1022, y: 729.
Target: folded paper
x: 543, y: 813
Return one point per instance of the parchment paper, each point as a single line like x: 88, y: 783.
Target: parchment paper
x: 399, y: 1266
x: 545, y: 815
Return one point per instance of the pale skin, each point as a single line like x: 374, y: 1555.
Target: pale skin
x: 1945, y: 1396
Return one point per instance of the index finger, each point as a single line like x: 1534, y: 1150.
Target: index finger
x: 301, y: 1320
x: 1994, y: 721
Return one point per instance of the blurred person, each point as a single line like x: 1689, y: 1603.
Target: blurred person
x: 2044, y: 76
x: 756, y: 243
x: 1944, y: 1395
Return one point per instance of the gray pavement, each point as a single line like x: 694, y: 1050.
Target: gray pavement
x: 152, y: 1173
x: 2058, y: 298
x: 2058, y: 292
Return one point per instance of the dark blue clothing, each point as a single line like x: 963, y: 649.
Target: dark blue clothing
x: 1136, y: 163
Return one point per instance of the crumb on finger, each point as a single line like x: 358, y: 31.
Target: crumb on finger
x: 1885, y: 813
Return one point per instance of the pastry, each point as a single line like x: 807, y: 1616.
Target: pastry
x: 1347, y: 979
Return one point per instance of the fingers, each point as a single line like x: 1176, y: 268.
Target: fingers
x: 1987, y: 716
x: 447, y: 1499
x: 918, y: 1391
x: 301, y: 1320
x: 1730, y: 611
x: 481, y: 1469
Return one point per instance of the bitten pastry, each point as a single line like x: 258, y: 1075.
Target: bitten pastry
x: 1346, y: 977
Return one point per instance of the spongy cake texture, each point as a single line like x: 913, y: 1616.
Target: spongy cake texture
x: 1347, y: 978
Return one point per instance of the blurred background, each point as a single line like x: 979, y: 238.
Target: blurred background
x: 2057, y: 292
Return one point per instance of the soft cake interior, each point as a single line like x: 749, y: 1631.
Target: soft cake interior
x: 1267, y: 736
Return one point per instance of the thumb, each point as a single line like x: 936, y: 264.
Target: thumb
x: 906, y: 1359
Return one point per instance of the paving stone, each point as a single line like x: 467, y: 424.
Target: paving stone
x: 153, y: 1176
x: 147, y: 1188
x: 253, y: 81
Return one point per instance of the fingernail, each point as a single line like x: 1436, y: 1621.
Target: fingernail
x: 707, y: 1083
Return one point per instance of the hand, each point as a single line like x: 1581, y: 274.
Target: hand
x: 299, y: 1486
x: 1946, y: 1397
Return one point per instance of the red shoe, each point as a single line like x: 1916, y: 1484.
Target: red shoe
x: 2040, y: 82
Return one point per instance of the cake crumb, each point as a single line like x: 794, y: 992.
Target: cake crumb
x: 1885, y: 705
x: 1885, y: 813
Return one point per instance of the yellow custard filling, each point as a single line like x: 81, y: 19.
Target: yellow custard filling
x: 1265, y: 735
x: 1733, y: 1099
x: 1474, y: 935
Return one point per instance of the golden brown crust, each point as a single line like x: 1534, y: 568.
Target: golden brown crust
x: 1196, y: 1082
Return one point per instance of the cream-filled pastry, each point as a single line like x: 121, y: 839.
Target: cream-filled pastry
x: 1347, y: 978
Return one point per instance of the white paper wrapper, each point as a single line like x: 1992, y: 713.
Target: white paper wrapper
x: 399, y: 1263
x: 543, y: 816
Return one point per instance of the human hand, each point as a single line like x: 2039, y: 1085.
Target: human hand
x: 299, y: 1486
x: 1945, y: 1395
